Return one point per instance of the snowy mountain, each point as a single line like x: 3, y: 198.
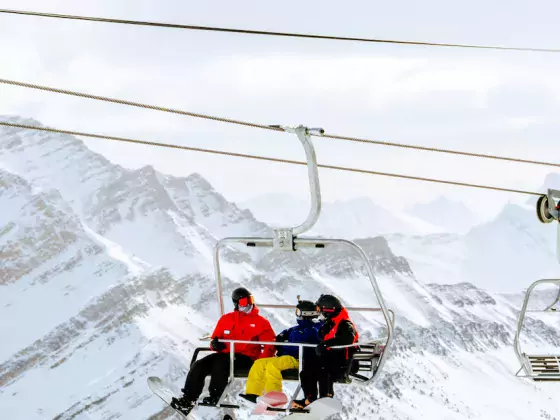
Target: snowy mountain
x: 505, y: 254
x: 107, y: 279
x: 355, y: 218
x: 451, y: 216
x: 165, y: 221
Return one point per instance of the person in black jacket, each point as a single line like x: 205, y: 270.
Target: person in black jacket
x: 332, y: 364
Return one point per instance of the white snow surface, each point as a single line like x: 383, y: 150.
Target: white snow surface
x: 106, y: 279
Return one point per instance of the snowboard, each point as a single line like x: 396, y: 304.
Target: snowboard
x: 319, y: 409
x: 270, y: 399
x: 158, y: 387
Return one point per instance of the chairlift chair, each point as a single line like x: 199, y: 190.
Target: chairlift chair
x: 541, y: 367
x: 367, y: 363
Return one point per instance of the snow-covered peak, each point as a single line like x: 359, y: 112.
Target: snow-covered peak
x: 451, y: 216
x: 17, y: 119
x: 512, y: 250
x: 55, y: 161
x: 195, y: 197
x: 198, y: 181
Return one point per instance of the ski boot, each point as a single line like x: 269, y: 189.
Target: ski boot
x: 250, y: 397
x: 210, y: 401
x: 182, y: 404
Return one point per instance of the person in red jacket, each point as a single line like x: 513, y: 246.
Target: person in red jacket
x: 244, y: 323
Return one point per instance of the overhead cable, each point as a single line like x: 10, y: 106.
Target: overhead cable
x: 136, y: 104
x: 265, y: 158
x: 268, y: 127
x: 268, y: 33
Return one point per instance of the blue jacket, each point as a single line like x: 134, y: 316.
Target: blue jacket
x: 305, y: 332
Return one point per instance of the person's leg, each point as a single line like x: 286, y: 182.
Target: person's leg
x: 220, y: 373
x: 326, y: 384
x: 255, y: 380
x: 242, y: 363
x: 194, y: 382
x: 308, y: 378
x: 218, y: 377
x: 274, y: 371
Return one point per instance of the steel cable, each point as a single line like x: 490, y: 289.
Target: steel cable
x: 273, y: 128
x: 265, y: 158
x: 269, y: 33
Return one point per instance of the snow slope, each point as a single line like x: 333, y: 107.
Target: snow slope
x: 108, y: 274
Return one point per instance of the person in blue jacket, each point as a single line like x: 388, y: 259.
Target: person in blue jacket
x: 266, y: 373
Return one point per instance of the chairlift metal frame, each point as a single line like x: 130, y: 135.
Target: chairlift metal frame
x: 541, y: 367
x: 286, y: 239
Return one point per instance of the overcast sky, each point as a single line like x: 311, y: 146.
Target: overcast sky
x: 476, y: 100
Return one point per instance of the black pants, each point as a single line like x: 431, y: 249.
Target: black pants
x: 217, y: 366
x: 325, y: 371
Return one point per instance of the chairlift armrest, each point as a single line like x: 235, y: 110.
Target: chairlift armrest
x: 198, y: 350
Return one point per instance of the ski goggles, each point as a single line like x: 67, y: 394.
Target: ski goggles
x: 300, y: 313
x: 325, y: 310
x: 246, y: 301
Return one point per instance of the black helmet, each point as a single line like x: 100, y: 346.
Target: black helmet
x: 306, y: 309
x: 242, y: 297
x: 329, y: 305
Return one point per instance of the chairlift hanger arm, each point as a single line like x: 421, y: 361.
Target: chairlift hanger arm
x: 284, y: 236
x: 548, y: 210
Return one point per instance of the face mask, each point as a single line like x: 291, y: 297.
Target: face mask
x: 246, y: 309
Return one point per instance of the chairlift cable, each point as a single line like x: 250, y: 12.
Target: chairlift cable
x: 440, y: 150
x: 273, y: 128
x: 269, y: 33
x: 266, y: 158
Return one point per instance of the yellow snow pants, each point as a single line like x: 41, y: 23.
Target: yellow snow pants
x: 265, y: 374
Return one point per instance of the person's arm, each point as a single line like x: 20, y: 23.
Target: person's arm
x: 267, y: 335
x: 345, y: 334
x: 282, y: 338
x: 219, y: 333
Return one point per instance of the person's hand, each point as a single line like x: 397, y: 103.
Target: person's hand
x: 321, y: 349
x: 216, y: 345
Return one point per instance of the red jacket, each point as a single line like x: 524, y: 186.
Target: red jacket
x: 340, y: 331
x: 237, y: 325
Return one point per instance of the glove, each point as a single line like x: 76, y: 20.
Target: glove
x: 216, y: 345
x: 321, y: 349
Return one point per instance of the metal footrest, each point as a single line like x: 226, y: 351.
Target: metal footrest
x: 544, y: 368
